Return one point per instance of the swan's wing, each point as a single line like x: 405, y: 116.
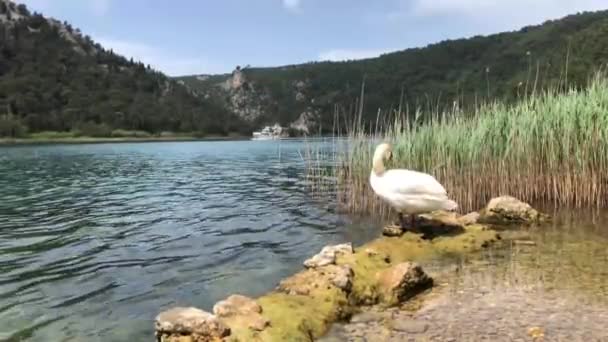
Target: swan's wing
x: 412, y: 182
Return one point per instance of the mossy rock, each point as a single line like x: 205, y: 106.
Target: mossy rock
x: 297, y: 317
x: 304, y: 306
x: 402, y: 282
x: 507, y: 211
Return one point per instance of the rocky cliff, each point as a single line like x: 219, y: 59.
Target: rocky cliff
x: 455, y: 73
x: 53, y: 77
x: 257, y: 103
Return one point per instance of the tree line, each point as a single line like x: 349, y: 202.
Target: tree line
x: 53, y: 78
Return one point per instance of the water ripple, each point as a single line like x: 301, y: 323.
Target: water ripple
x: 96, y: 239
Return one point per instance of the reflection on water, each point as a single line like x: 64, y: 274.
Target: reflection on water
x: 569, y: 255
x: 95, y: 240
x: 553, y: 280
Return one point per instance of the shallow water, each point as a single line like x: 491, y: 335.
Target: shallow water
x: 95, y: 240
x: 555, y: 282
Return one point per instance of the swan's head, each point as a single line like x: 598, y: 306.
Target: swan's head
x: 383, y: 152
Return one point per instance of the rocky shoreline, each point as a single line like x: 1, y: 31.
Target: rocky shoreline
x: 341, y: 280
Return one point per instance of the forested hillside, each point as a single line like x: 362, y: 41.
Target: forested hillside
x: 501, y: 66
x: 55, y: 78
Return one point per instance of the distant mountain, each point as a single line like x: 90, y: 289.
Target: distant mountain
x: 464, y: 70
x: 53, y: 77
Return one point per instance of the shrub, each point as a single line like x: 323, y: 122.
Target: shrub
x: 12, y: 128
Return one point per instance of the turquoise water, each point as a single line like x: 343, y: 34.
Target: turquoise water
x: 96, y: 239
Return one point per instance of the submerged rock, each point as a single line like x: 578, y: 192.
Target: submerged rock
x: 328, y: 254
x: 333, y: 285
x: 507, y: 210
x: 402, y: 282
x: 392, y: 231
x: 199, y: 325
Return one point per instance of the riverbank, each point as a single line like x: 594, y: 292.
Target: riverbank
x: 93, y: 140
x: 342, y: 280
x: 548, y: 284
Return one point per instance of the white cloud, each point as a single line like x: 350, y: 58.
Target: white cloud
x: 350, y: 54
x: 539, y: 8
x: 291, y: 5
x: 169, y: 63
x: 100, y: 7
x: 96, y: 7
x: 480, y: 16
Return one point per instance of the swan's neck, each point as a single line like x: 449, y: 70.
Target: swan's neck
x: 378, y: 165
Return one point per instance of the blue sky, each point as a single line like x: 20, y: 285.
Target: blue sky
x: 213, y: 36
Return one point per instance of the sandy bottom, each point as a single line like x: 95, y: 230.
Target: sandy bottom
x: 552, y: 288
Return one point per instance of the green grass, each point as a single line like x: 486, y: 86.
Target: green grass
x: 549, y: 147
x: 52, y: 135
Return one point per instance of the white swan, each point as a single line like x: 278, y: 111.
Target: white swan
x: 408, y: 192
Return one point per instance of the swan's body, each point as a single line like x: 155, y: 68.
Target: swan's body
x: 408, y: 192
x: 411, y: 192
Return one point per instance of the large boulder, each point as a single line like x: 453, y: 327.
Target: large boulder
x: 507, y: 210
x: 310, y: 280
x: 239, y: 310
x: 328, y: 254
x: 401, y: 282
x: 439, y: 223
x: 431, y: 224
x: 341, y: 277
x: 200, y: 326
x: 469, y: 219
x: 392, y: 231
x: 236, y: 305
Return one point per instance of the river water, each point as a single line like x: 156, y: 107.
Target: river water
x: 547, y: 284
x: 95, y: 240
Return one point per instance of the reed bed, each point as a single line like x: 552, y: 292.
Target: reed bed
x: 551, y: 148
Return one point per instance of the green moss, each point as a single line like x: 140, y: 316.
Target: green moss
x: 474, y: 239
x: 382, y: 253
x: 308, y: 316
x: 296, y: 317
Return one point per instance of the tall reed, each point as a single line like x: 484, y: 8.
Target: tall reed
x: 550, y: 147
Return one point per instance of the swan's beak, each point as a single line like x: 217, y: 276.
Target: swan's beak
x: 390, y: 156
